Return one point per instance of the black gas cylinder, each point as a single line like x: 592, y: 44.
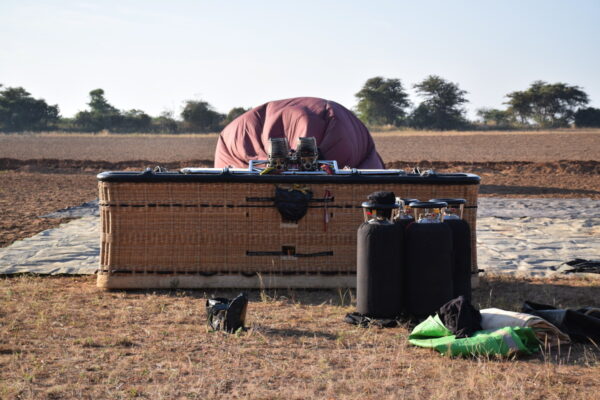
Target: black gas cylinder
x: 428, y: 263
x: 379, y: 259
x: 461, y: 246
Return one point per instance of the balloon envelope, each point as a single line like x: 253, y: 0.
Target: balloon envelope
x: 339, y: 134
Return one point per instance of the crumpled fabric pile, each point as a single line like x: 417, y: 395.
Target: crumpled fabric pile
x: 459, y: 329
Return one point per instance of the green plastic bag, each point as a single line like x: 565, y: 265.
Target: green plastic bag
x: 507, y: 341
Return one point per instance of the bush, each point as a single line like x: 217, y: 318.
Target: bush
x: 441, y: 108
x: 19, y: 111
x: 199, y: 116
x: 587, y: 118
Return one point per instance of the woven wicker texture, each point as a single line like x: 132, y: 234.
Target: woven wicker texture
x: 207, y: 228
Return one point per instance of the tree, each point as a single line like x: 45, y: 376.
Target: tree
x: 547, y: 105
x: 19, y: 111
x: 441, y: 108
x: 102, y: 115
x: 587, y: 118
x: 382, y: 101
x: 234, y: 113
x: 98, y: 104
x: 165, y: 122
x: 200, y: 116
x: 135, y: 121
x: 520, y: 108
x: 493, y: 116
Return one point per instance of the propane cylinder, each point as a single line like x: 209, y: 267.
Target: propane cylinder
x: 405, y: 214
x: 379, y: 259
x: 461, y: 245
x: 428, y: 249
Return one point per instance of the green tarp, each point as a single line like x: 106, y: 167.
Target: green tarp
x: 507, y: 341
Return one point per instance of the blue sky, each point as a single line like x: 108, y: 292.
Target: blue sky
x: 153, y: 55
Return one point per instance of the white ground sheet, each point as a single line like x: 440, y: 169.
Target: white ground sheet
x: 532, y: 236
x: 516, y: 236
x: 71, y: 248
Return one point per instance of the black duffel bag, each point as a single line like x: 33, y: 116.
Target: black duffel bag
x: 227, y: 315
x: 292, y: 203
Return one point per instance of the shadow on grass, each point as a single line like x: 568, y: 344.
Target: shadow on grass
x: 295, y: 333
x: 510, y: 293
x: 500, y: 291
x: 314, y: 297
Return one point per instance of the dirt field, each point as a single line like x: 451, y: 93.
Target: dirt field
x: 25, y: 196
x: 407, y: 146
x: 62, y: 338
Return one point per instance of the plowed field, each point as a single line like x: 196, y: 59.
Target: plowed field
x: 392, y: 146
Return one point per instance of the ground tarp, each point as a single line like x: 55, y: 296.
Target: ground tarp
x: 532, y: 237
x: 71, y: 248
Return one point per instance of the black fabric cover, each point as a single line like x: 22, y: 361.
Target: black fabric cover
x: 404, y: 222
x: 226, y: 315
x: 381, y: 199
x: 428, y: 266
x: 379, y: 270
x: 460, y: 317
x: 292, y: 204
x: 461, y: 247
x: 582, y: 325
x: 364, y: 321
x: 581, y: 265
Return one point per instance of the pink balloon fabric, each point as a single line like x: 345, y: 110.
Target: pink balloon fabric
x: 340, y: 135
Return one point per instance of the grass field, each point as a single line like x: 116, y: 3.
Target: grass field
x: 62, y: 338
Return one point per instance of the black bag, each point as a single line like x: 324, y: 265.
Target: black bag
x: 292, y: 203
x: 226, y: 315
x: 460, y: 317
x: 582, y: 325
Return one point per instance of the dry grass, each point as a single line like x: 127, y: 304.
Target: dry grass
x: 64, y: 338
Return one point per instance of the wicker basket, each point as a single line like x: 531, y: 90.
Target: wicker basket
x: 174, y: 230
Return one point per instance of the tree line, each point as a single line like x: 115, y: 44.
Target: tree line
x: 381, y: 103
x: 20, y: 112
x: 542, y: 105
